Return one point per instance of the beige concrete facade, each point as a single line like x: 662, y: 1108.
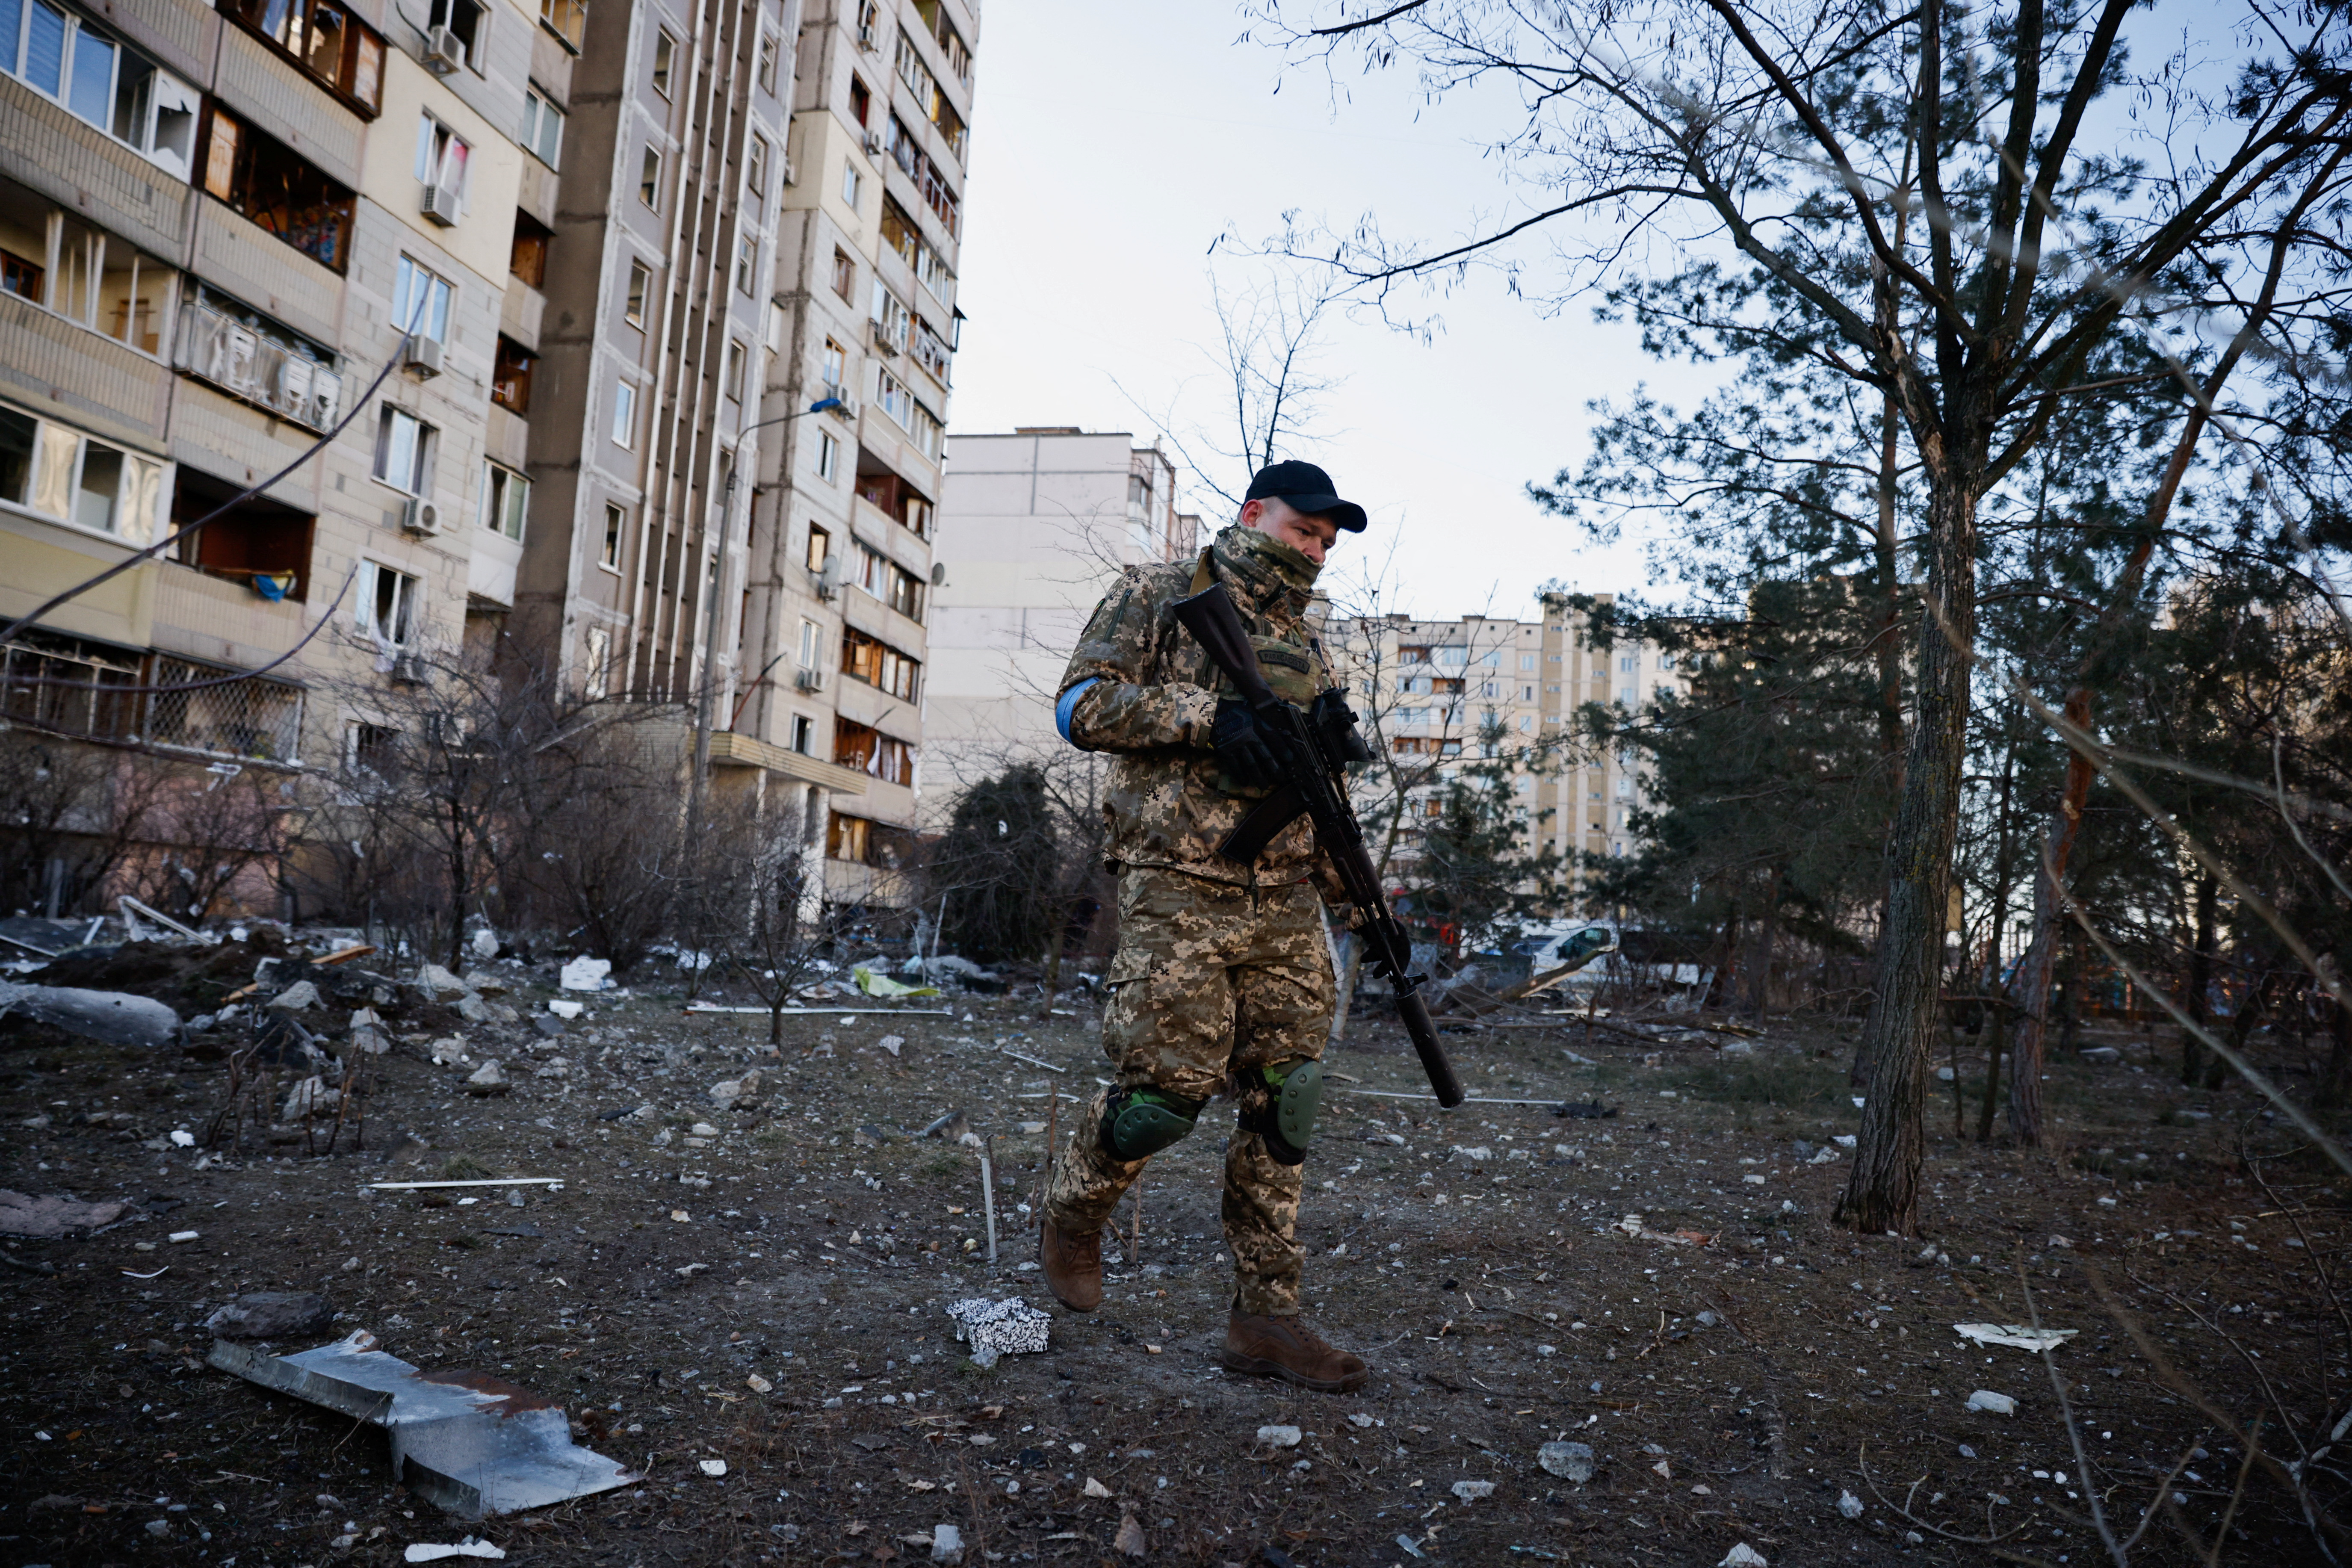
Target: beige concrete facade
x: 1428, y: 688
x: 763, y: 214
x: 206, y: 216
x: 1035, y: 525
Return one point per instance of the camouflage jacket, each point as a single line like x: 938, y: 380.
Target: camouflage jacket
x: 1140, y: 687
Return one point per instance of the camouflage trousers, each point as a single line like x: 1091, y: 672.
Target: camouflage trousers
x: 1210, y: 981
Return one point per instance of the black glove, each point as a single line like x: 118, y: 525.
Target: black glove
x: 1241, y: 746
x: 1335, y: 725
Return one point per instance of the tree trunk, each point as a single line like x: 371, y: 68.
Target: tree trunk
x: 1718, y: 990
x: 1996, y: 1032
x: 2335, y: 1086
x: 1906, y: 1010
x: 2033, y: 971
x: 2201, y: 981
x: 1760, y: 980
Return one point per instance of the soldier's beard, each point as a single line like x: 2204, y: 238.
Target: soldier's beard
x: 1269, y: 555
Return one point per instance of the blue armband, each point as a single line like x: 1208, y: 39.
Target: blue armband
x: 1068, y: 705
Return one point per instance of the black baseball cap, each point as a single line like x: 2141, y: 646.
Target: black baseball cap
x: 1307, y: 489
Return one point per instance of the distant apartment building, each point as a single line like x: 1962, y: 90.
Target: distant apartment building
x: 1033, y: 527
x: 1434, y: 689
x: 216, y: 222
x: 760, y: 213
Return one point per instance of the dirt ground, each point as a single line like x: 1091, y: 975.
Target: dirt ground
x: 1663, y: 1284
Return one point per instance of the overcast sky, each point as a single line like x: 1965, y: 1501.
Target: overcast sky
x: 1112, y: 143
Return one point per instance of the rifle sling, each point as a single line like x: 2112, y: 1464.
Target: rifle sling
x: 1269, y: 816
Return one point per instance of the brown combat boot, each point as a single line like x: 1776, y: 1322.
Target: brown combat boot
x: 1073, y: 1266
x: 1287, y: 1349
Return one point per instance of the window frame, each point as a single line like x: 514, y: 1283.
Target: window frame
x: 224, y: 169
x: 649, y: 176
x: 624, y: 415
x: 500, y: 494
x: 641, y: 285
x: 616, y: 525
x: 828, y: 457
x: 419, y: 483
x: 538, y: 107
x: 435, y: 322
x: 361, y: 40
x: 659, y: 72
x: 404, y: 607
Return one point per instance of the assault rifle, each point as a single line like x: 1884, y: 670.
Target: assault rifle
x: 1311, y: 784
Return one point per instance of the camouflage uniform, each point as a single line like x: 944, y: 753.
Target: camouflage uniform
x: 1222, y: 969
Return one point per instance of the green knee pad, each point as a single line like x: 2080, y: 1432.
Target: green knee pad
x: 1140, y: 1122
x: 1287, y: 1122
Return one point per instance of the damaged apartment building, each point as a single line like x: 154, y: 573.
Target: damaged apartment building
x: 498, y: 312
x: 744, y: 374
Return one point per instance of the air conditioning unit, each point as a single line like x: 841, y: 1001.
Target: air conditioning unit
x: 828, y: 577
x: 880, y: 340
x: 407, y: 669
x: 809, y: 679
x: 440, y: 204
x: 847, y: 409
x: 425, y: 355
x: 791, y: 175
x: 445, y: 51
x: 874, y: 143
x: 418, y: 515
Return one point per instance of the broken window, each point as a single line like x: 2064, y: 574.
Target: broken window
x: 937, y: 194
x: 511, y: 377
x: 877, y: 664
x: 737, y: 356
x: 755, y: 170
x: 820, y: 544
x: 952, y: 43
x: 861, y: 102
x: 847, y: 837
x: 442, y: 159
x: 244, y: 353
x: 634, y: 305
x: 665, y: 52
x: 649, y: 179
x: 506, y: 498
x: 70, y: 686
x: 845, y: 275
x: 260, y: 543
x: 324, y: 38
x: 265, y: 183
x: 899, y: 230
x: 615, y: 522
x: 881, y: 488
x: 404, y: 451
x: 82, y: 273
x: 873, y: 753
x: 386, y: 609
x: 56, y: 472
x: 567, y: 19
x: 766, y: 69
x: 625, y: 415
x: 892, y: 320
x: 467, y: 23
x: 99, y: 79
x: 526, y: 261
x: 828, y: 457
x: 831, y: 365
x: 896, y: 400
x: 747, y: 264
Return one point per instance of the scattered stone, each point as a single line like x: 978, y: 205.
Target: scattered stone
x: 1129, y: 1542
x: 953, y: 1127
x: 1472, y: 1491
x: 564, y: 1009
x: 550, y: 1028
x: 759, y: 1384
x: 1279, y: 1437
x: 473, y: 1009
x: 1569, y: 1461
x: 947, y: 1543
x: 1742, y: 1556
x: 891, y: 1043
x: 704, y: 1130
x: 299, y: 997
x: 1095, y: 1488
x: 1992, y: 1404
x: 728, y: 1093
x: 482, y: 982
x: 714, y: 1468
x: 308, y: 1098
x: 488, y: 1079
x: 587, y: 975
x: 434, y: 980
x: 51, y: 1219
x: 448, y: 1048
x: 273, y: 1315
x: 1849, y: 1505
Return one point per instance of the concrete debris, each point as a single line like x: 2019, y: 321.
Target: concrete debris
x: 308, y: 1098
x: 1279, y: 1437
x: 953, y: 1127
x: 470, y: 1444
x: 433, y: 1551
x: 434, y: 980
x: 563, y: 1008
x: 368, y: 1033
x: 273, y: 1315
x: 110, y: 1017
x: 473, y: 1009
x: 891, y: 1043
x: 1634, y: 1225
x: 1992, y: 1404
x: 52, y: 1219
x: 992, y: 1328
x: 2021, y: 1338
x: 448, y: 1048
x: 299, y: 997
x: 1095, y: 1488
x: 588, y: 974
x: 482, y: 982
x: 947, y: 1543
x: 1569, y: 1461
x: 1472, y: 1491
x: 1742, y: 1556
x: 1849, y: 1505
x: 490, y: 1078
x: 728, y: 1093
x: 485, y: 943
x: 714, y: 1468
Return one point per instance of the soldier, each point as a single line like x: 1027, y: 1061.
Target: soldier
x: 1222, y: 981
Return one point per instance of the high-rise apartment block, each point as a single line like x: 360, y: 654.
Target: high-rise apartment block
x: 1033, y: 527
x: 1438, y: 690
x: 627, y: 245
x: 760, y: 216
x: 218, y: 222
